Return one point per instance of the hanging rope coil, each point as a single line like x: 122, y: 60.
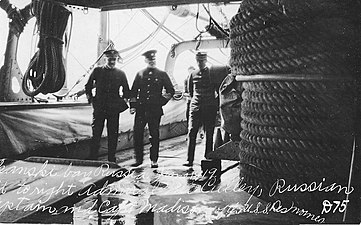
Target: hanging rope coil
x: 299, y: 129
x: 46, y: 71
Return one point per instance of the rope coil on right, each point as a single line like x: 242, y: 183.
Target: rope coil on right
x: 296, y: 128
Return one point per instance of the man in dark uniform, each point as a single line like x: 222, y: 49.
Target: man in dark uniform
x: 203, y: 106
x: 146, y: 102
x: 107, y: 102
x: 186, y: 91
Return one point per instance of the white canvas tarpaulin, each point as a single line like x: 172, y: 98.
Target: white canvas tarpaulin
x: 25, y: 129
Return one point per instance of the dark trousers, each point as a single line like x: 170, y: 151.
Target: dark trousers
x: 151, y: 116
x: 205, y: 116
x: 187, y: 111
x: 112, y: 129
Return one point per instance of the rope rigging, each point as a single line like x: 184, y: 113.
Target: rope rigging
x: 141, y: 45
x: 46, y: 71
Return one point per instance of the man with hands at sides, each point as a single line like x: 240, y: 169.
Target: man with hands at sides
x: 147, y: 99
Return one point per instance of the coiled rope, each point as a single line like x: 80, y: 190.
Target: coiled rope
x: 300, y: 129
x: 46, y: 71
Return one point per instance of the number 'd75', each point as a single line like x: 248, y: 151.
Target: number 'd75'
x: 327, y: 206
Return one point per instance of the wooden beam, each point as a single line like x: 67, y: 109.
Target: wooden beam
x: 107, y: 5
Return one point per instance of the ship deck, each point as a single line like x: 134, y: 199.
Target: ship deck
x: 168, y: 195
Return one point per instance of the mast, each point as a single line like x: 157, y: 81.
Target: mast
x: 10, y: 73
x: 103, y: 40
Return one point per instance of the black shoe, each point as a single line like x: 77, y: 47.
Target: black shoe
x: 154, y: 165
x: 189, y: 164
x: 112, y: 160
x: 136, y: 164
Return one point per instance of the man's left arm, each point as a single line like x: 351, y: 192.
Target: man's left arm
x: 168, y: 85
x: 125, y: 84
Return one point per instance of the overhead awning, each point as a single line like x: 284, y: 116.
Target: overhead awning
x: 106, y: 5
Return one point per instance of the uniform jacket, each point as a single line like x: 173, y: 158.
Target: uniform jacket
x: 107, y: 83
x: 201, y: 89
x: 203, y: 86
x: 147, y: 88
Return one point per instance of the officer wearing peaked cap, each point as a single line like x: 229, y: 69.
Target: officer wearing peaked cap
x: 111, y: 53
x: 203, y: 106
x: 201, y: 56
x: 107, y: 102
x: 146, y: 102
x: 150, y: 54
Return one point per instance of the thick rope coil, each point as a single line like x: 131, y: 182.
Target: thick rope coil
x: 288, y: 169
x: 290, y: 110
x: 265, y: 181
x: 305, y: 64
x: 317, y: 134
x: 287, y: 121
x: 301, y: 129
x: 281, y: 98
x: 324, y: 8
x: 297, y: 157
x: 289, y: 144
x: 46, y: 71
x: 298, y: 53
x: 326, y: 87
x: 273, y: 32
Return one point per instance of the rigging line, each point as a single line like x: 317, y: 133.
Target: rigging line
x: 141, y: 42
x: 176, y: 30
x: 137, y: 52
x: 87, y: 70
x: 214, y: 21
x: 163, y: 27
x: 126, y: 25
x: 137, y: 44
x: 157, y: 22
x: 197, y: 18
x: 33, y: 43
x: 141, y: 48
x: 223, y: 14
x: 224, y: 54
x: 216, y: 61
x: 179, y: 28
x: 76, y: 59
x: 174, y: 36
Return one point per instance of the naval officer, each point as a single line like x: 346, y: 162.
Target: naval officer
x: 203, y: 106
x: 146, y: 102
x: 107, y: 102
